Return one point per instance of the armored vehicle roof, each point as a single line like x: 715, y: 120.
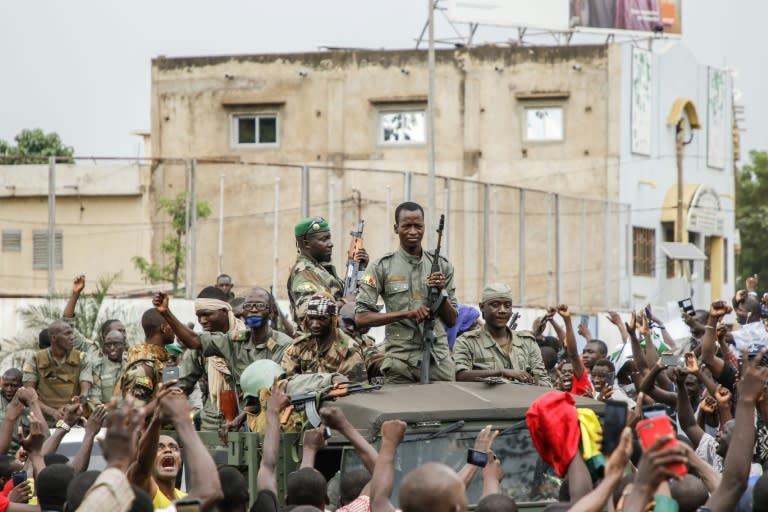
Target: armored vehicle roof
x: 443, y: 403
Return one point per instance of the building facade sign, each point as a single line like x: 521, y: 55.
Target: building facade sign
x: 705, y: 214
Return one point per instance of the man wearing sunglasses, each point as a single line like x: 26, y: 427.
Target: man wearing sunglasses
x: 313, y: 271
x: 236, y: 350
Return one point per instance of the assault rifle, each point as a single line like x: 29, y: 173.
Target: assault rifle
x: 310, y: 402
x: 353, y: 266
x: 434, y: 300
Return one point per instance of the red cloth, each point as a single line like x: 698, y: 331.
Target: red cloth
x: 7, y: 488
x: 554, y: 428
x: 582, y: 386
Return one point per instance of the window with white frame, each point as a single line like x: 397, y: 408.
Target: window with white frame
x: 255, y: 129
x: 402, y: 127
x: 544, y: 124
x: 40, y: 250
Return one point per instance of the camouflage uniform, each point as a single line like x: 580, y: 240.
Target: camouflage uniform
x: 104, y: 374
x: 238, y: 351
x: 143, y: 371
x: 478, y: 350
x: 22, y: 420
x: 307, y: 278
x: 343, y: 356
x: 401, y: 280
x: 56, y: 382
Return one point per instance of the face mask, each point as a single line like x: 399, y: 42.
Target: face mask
x: 254, y: 322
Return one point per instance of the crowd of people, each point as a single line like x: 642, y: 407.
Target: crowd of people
x: 698, y: 395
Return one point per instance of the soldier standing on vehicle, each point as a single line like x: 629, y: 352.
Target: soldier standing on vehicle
x: 313, y: 271
x: 495, y: 350
x: 403, y: 279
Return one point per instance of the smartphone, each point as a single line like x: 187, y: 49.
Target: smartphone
x: 477, y: 458
x: 654, y: 411
x: 648, y: 313
x: 614, y: 420
x: 18, y: 477
x: 649, y: 430
x: 671, y: 360
x: 170, y: 373
x: 187, y: 505
x: 686, y: 305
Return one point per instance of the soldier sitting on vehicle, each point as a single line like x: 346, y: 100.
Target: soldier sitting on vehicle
x: 495, y: 350
x: 325, y: 347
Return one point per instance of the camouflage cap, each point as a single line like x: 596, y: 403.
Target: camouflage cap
x: 496, y: 291
x: 259, y: 375
x: 311, y: 225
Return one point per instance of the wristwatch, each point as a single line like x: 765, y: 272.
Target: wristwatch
x: 63, y: 426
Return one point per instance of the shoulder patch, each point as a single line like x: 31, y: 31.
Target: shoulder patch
x: 306, y: 287
x: 369, y: 280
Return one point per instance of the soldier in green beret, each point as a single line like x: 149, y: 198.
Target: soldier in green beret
x: 495, y: 350
x: 313, y: 271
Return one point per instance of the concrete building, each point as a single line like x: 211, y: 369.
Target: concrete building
x: 103, y: 218
x: 549, y: 132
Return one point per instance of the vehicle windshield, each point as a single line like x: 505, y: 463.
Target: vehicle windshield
x: 526, y: 477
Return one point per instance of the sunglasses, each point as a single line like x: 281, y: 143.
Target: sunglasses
x: 255, y: 306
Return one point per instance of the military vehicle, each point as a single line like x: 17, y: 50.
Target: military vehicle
x: 443, y: 420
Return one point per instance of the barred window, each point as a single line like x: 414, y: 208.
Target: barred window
x: 643, y: 251
x: 40, y: 250
x: 11, y: 240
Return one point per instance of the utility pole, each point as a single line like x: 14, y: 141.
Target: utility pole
x: 431, y: 209
x: 679, y: 148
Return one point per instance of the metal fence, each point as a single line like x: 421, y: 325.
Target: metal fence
x: 551, y: 248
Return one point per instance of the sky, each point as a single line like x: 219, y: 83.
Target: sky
x: 81, y: 68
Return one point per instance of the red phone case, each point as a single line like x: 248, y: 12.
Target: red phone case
x: 649, y: 430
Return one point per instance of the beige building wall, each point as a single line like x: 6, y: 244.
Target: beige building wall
x: 102, y: 212
x: 328, y: 105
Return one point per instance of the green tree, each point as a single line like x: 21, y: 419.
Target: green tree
x: 173, y: 246
x: 33, y: 144
x: 752, y: 215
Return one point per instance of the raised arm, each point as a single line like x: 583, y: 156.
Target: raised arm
x: 737, y: 461
x: 483, y: 443
x: 709, y: 356
x: 186, y: 335
x: 570, y: 342
x: 685, y: 411
x: 595, y: 500
x: 648, y: 386
x: 140, y: 472
x: 266, y: 479
x: 78, y: 284
x: 334, y: 418
x: 616, y: 320
x: 314, y: 441
x: 92, y: 426
x: 70, y: 416
x: 382, y: 481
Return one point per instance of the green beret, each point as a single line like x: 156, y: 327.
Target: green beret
x: 311, y: 225
x: 258, y: 375
x: 496, y: 291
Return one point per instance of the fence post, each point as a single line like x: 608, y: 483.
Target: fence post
x: 276, y: 239
x: 486, y: 230
x: 304, y: 191
x: 52, y: 226
x: 558, y: 269
x: 407, y: 185
x: 521, y: 248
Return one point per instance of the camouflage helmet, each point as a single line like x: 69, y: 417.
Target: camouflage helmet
x: 258, y: 375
